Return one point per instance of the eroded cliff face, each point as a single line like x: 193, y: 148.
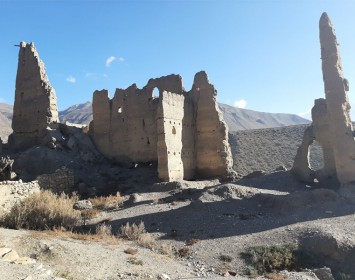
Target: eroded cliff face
x: 35, y: 107
x: 183, y: 132
x: 332, y: 126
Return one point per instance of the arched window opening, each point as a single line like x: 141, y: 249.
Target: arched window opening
x: 174, y: 130
x: 155, y: 92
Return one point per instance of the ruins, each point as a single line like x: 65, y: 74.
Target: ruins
x: 183, y: 132
x: 35, y: 108
x: 331, y: 127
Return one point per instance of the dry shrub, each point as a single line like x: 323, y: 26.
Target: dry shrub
x: 146, y: 240
x: 184, y: 252
x: 165, y: 249
x: 105, y: 203
x: 275, y: 276
x: 226, y: 258
x: 132, y: 232
x: 102, y: 235
x: 43, y: 210
x: 271, y: 259
x: 134, y: 260
x: 104, y: 230
x: 89, y: 214
x: 191, y: 242
x: 139, y: 234
x: 131, y: 251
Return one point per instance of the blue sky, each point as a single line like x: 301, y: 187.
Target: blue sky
x: 263, y: 52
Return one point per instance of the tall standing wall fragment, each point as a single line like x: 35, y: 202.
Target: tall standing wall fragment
x: 35, y: 106
x: 331, y: 126
x: 336, y: 88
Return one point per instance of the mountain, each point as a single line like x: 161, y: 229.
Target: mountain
x: 236, y: 118
x: 81, y: 113
x: 5, y: 120
x: 240, y: 119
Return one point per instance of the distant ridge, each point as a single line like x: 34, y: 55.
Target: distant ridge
x: 236, y: 118
x: 241, y: 119
x: 80, y: 113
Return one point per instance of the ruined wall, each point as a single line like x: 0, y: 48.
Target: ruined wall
x: 169, y: 129
x: 188, y: 153
x: 62, y: 180
x: 213, y: 155
x: 331, y: 126
x: 336, y: 88
x: 133, y: 125
x: 183, y: 131
x: 35, y: 105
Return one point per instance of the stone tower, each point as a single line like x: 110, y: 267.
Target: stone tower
x: 35, y: 108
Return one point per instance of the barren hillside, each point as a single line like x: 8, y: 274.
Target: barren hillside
x: 236, y: 118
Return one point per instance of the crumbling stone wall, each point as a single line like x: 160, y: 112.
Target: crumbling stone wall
x: 212, y: 150
x: 169, y: 125
x: 332, y: 126
x: 62, y: 180
x: 183, y: 131
x: 35, y: 105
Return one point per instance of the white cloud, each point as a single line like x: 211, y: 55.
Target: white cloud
x: 240, y: 103
x: 306, y: 114
x: 71, y: 79
x: 109, y: 60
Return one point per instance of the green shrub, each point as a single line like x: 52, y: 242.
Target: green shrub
x: 43, y: 210
x: 266, y: 259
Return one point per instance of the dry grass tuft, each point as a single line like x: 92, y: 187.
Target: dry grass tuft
x: 275, y: 276
x: 134, y: 260
x: 89, y: 214
x: 131, y: 251
x: 132, y: 232
x: 165, y: 249
x: 184, y: 252
x: 226, y: 258
x: 102, y: 236
x: 106, y: 203
x: 104, y: 230
x: 146, y: 240
x: 43, y: 210
x: 139, y: 234
x: 191, y: 242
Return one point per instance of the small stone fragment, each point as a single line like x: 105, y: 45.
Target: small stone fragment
x: 83, y: 205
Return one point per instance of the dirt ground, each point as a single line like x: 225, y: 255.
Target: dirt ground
x: 207, y: 220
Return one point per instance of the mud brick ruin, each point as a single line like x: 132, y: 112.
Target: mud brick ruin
x: 332, y: 127
x: 183, y: 132
x: 35, y: 108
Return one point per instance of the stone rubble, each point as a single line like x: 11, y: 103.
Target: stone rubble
x: 12, y: 192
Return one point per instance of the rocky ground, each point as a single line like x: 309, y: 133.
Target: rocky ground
x: 270, y: 148
x: 198, y: 230
x: 206, y: 220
